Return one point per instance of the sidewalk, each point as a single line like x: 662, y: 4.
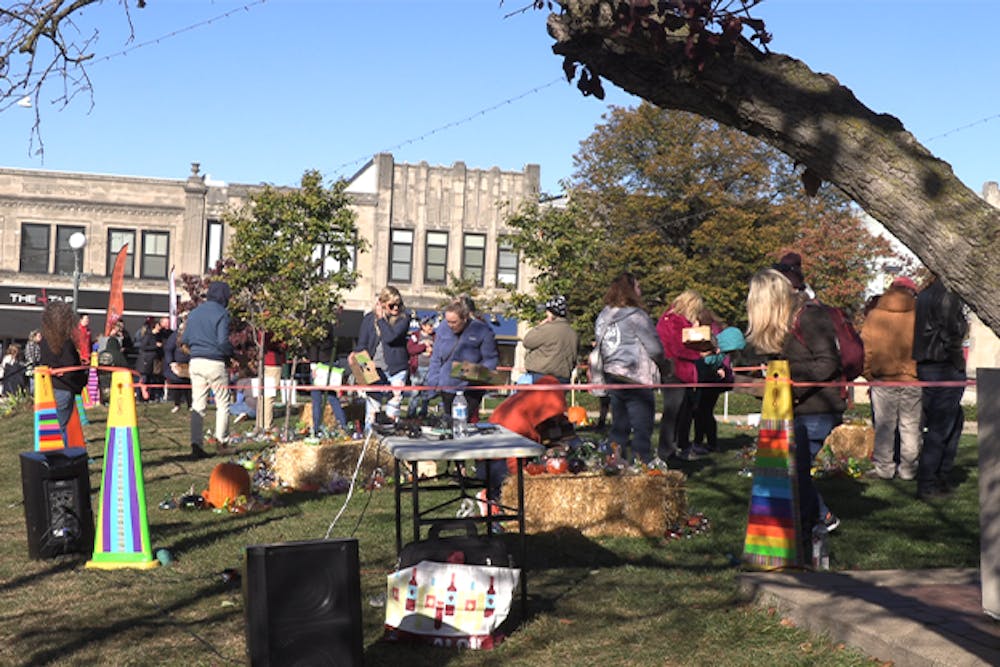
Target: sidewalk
x: 920, y: 618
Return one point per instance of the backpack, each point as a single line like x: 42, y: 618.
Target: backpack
x: 852, y: 350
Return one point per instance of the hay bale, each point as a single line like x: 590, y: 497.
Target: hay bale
x: 600, y: 505
x: 353, y: 411
x: 852, y: 440
x: 308, y: 466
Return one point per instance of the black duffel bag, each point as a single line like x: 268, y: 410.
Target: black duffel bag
x: 469, y: 548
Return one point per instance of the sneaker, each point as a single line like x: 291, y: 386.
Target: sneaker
x: 197, y: 452
x: 831, y: 522
x: 693, y: 453
x: 936, y: 492
x: 174, y: 409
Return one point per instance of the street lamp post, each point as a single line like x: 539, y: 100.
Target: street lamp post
x: 77, y: 240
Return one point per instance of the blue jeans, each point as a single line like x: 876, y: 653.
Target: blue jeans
x: 632, y: 415
x: 810, y: 433
x: 65, y: 405
x: 316, y: 397
x: 943, y: 421
x: 418, y: 399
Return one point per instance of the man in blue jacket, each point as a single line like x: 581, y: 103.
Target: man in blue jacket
x: 207, y: 335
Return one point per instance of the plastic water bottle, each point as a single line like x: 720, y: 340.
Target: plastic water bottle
x: 459, y: 416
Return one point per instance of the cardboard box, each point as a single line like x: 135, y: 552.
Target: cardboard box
x: 699, y: 338
x: 477, y: 374
x: 363, y: 368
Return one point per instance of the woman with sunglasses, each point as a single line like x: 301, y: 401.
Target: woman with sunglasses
x: 383, y: 335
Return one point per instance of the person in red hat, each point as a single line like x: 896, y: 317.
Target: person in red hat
x: 888, y: 337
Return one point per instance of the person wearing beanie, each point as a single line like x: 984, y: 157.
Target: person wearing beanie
x: 790, y: 266
x: 551, y: 347
x: 207, y: 336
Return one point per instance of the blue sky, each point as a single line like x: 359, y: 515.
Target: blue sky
x: 288, y: 85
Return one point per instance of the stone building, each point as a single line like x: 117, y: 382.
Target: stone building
x: 423, y: 222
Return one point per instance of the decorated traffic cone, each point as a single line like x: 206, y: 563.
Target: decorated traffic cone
x: 47, y: 432
x: 773, y: 532
x: 91, y: 395
x: 74, y: 427
x: 81, y: 412
x: 122, y: 538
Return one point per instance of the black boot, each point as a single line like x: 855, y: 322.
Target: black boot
x: 197, y: 452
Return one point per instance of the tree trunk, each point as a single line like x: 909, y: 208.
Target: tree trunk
x: 817, y: 122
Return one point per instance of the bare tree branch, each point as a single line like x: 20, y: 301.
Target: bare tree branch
x: 41, y: 43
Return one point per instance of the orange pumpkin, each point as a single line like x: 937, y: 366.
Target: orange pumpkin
x: 577, y: 415
x: 557, y: 465
x: 228, y: 482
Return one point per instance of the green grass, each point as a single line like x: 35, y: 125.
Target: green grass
x: 592, y: 601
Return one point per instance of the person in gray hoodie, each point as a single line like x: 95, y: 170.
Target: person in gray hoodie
x: 207, y: 336
x: 631, y: 352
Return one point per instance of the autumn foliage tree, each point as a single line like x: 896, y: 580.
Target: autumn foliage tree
x: 684, y: 202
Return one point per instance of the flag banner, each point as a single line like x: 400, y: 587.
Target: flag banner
x: 116, y: 296
x: 172, y: 287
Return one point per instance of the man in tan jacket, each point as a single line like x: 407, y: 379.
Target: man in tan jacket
x: 552, y: 345
x: 888, y: 337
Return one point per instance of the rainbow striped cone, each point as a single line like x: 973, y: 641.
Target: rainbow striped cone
x: 122, y: 537
x: 773, y: 532
x: 81, y: 412
x: 91, y: 394
x: 47, y: 432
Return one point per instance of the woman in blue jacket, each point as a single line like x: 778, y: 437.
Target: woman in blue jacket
x: 460, y: 337
x: 383, y: 335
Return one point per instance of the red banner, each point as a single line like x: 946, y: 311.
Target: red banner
x: 116, y: 298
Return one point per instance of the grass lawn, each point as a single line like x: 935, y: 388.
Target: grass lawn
x: 609, y: 601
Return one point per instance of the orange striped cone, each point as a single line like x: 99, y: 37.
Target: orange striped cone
x: 48, y: 435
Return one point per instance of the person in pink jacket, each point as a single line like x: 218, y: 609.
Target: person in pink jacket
x: 678, y: 402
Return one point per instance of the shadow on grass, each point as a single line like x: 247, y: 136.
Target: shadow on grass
x: 96, y: 631
x: 63, y: 564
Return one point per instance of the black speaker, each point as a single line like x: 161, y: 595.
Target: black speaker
x: 57, y: 512
x: 303, y: 603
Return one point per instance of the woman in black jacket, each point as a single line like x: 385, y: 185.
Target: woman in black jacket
x: 784, y: 323
x: 383, y: 335
x: 58, y: 348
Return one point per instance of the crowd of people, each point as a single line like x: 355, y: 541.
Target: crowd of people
x: 908, y: 337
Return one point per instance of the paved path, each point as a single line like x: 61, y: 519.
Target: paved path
x: 919, y: 618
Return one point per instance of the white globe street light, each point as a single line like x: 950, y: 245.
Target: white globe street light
x: 77, y: 240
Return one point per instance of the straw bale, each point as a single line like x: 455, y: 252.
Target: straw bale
x: 353, y: 411
x: 634, y: 505
x: 854, y: 440
x: 302, y: 466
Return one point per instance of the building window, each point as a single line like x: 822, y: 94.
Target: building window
x: 506, y: 263
x: 331, y: 263
x: 474, y: 257
x: 155, y: 255
x: 34, y: 248
x: 436, y: 258
x: 116, y: 239
x: 213, y: 244
x: 401, y: 256
x: 65, y: 255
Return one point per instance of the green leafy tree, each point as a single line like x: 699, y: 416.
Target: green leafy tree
x: 683, y: 202
x: 291, y: 257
